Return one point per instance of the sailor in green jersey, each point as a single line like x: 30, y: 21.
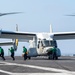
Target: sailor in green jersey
x: 25, y: 52
x: 2, y: 53
x: 12, y: 53
x: 54, y: 53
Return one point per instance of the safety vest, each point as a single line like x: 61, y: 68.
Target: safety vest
x: 53, y: 49
x: 24, y: 50
x: 12, y: 50
x: 1, y: 50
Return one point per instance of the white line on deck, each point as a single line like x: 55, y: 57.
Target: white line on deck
x: 39, y: 67
x: 6, y: 72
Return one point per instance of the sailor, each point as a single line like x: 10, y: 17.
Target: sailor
x: 2, y: 53
x: 12, y: 52
x: 24, y: 52
x: 54, y: 53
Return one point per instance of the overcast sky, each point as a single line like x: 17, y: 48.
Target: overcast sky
x: 37, y: 16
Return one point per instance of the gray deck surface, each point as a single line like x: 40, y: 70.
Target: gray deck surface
x: 41, y: 65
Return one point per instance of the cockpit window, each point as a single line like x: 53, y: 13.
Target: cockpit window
x: 47, y: 43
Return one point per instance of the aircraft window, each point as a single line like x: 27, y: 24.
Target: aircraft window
x: 41, y: 43
x: 49, y: 43
x: 53, y: 43
x: 38, y: 43
x: 46, y: 43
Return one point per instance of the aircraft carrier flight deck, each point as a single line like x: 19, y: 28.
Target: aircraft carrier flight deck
x: 38, y: 66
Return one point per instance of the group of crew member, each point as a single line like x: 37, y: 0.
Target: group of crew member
x: 12, y: 51
x: 51, y: 53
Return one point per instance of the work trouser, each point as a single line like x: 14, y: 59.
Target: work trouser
x: 12, y: 55
x: 25, y: 56
x: 2, y: 55
x: 54, y: 55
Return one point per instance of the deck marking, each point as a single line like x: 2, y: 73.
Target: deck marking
x: 41, y: 68
x: 41, y: 74
x: 10, y: 73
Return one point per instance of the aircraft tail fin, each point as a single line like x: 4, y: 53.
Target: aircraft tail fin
x: 51, y: 28
x: 16, y: 40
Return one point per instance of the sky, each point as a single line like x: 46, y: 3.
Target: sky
x: 36, y: 17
